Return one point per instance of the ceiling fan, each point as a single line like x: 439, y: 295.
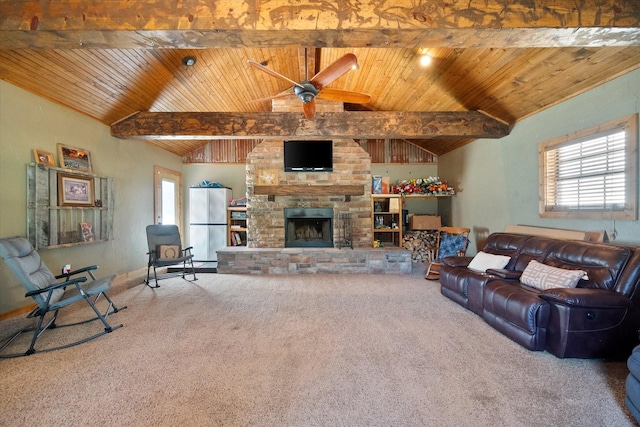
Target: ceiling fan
x: 308, y: 90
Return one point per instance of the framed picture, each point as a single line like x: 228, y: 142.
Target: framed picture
x: 74, y: 158
x: 43, y: 157
x: 74, y: 190
x: 87, y: 231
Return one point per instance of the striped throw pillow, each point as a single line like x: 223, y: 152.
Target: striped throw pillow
x: 541, y: 276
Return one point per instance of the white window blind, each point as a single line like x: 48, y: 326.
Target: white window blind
x: 592, y: 173
x: 588, y: 174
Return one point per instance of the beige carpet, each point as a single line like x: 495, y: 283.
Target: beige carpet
x: 306, y: 350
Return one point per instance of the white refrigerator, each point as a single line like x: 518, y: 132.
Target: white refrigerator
x: 208, y: 221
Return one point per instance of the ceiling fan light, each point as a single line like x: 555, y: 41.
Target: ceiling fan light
x: 189, y: 61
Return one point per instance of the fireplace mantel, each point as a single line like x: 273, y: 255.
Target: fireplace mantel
x: 312, y: 190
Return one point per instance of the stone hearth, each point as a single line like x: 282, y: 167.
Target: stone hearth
x: 242, y: 260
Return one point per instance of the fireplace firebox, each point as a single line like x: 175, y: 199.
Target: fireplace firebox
x: 308, y: 227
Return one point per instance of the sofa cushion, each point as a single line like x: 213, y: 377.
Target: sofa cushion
x: 543, y: 276
x: 517, y: 311
x: 505, y: 244
x: 603, y: 263
x: 535, y: 248
x: 483, y: 261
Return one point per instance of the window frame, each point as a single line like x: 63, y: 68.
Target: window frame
x: 628, y: 124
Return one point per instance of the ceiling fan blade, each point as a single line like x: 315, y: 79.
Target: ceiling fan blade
x: 344, y: 96
x: 334, y: 70
x: 309, y: 109
x: 268, y: 98
x: 273, y: 73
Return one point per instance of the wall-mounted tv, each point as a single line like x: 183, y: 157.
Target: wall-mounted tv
x: 305, y: 156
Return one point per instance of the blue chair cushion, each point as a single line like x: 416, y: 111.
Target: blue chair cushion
x: 450, y: 244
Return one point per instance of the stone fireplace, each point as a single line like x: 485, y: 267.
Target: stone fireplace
x: 308, y: 228
x: 267, y: 224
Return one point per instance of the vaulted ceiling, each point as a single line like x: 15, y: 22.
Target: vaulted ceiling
x: 506, y: 59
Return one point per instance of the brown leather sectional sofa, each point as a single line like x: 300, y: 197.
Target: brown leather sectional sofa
x: 599, y: 318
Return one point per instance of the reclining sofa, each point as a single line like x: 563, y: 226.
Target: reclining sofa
x: 598, y: 316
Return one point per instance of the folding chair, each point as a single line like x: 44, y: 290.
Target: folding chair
x: 165, y: 250
x: 51, y: 296
x: 450, y: 241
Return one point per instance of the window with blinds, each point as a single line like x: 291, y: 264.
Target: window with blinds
x: 592, y: 173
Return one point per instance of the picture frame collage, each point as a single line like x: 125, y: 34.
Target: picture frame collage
x: 75, y: 187
x: 72, y: 158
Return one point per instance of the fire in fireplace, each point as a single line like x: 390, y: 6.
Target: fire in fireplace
x: 308, y: 227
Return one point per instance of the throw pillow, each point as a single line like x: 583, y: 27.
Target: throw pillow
x: 541, y: 276
x: 483, y: 261
x: 168, y: 251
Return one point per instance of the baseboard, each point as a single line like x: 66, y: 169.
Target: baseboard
x: 17, y: 312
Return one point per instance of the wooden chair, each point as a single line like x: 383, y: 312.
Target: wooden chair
x: 450, y: 241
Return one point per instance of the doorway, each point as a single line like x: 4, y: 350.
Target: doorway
x: 167, y: 197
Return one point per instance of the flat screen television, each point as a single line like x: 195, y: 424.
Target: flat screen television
x: 305, y: 156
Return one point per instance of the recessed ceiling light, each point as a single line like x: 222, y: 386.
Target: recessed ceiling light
x: 189, y: 61
x: 425, y: 60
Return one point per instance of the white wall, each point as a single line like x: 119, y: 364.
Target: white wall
x: 28, y: 122
x: 498, y: 179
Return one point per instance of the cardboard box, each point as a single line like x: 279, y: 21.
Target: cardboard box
x: 394, y: 205
x: 386, y: 185
x: 425, y: 222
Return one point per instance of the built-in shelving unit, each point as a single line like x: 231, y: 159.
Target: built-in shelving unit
x: 386, y: 217
x: 236, y: 226
x: 52, y: 224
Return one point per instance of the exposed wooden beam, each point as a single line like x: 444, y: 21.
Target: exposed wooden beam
x: 347, y: 125
x: 158, y: 24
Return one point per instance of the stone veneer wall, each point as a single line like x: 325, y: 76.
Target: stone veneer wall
x: 265, y: 219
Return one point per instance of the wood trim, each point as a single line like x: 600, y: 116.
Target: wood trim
x: 160, y: 173
x: 630, y: 125
x: 311, y: 190
x: 18, y: 312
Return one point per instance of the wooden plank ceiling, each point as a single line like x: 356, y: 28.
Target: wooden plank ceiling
x: 109, y: 80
